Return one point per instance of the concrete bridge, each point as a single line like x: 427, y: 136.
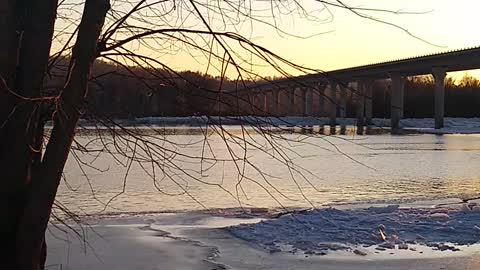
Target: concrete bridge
x: 325, y: 94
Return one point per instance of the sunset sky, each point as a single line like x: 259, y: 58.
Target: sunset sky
x: 349, y: 40
x: 356, y: 41
x: 324, y: 39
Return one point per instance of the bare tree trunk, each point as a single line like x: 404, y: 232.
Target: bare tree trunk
x: 24, y: 52
x: 8, y: 57
x: 8, y: 43
x: 30, y: 237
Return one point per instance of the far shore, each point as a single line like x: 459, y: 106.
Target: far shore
x: 195, y: 125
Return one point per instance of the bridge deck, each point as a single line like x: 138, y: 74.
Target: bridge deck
x: 464, y: 59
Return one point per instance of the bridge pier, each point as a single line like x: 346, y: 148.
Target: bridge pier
x: 297, y: 101
x: 250, y: 104
x: 321, y: 99
x: 291, y: 101
x: 360, y: 102
x: 439, y: 75
x: 343, y: 101
x: 272, y: 102
x: 315, y: 99
x: 308, y: 101
x: 283, y: 102
x: 396, y: 103
x: 260, y: 104
x: 275, y: 103
x: 303, y: 101
x: 332, y: 103
x: 246, y: 104
x: 268, y: 106
x: 256, y: 104
x: 368, y: 101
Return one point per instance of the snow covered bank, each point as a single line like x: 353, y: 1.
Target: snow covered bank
x: 199, y: 241
x: 387, y: 228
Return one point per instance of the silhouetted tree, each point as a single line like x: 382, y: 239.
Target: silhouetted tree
x: 31, y: 164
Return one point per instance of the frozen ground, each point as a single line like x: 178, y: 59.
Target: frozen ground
x: 200, y: 241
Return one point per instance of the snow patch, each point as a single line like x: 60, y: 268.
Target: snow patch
x: 384, y: 228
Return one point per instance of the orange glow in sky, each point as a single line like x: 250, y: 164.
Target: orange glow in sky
x: 350, y: 40
x: 335, y: 39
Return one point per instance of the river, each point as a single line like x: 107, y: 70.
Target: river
x: 282, y: 170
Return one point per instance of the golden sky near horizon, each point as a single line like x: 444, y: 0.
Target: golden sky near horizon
x: 350, y: 40
x: 341, y: 40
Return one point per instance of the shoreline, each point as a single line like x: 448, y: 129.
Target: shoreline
x: 246, y: 212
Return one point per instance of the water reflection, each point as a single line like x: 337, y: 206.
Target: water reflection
x: 343, y: 168
x: 339, y: 130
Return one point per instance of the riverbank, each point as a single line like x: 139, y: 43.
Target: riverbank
x: 199, y: 240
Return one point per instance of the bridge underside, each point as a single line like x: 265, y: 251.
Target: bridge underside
x: 325, y: 94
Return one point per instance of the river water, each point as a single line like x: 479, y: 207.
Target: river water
x: 243, y: 168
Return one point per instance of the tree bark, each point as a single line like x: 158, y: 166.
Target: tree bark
x: 27, y: 28
x: 8, y: 43
x: 35, y: 26
x: 31, y: 231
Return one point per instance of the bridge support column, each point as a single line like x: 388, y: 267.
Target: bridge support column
x: 315, y: 100
x: 343, y: 101
x: 260, y: 104
x: 254, y: 104
x: 252, y: 99
x: 282, y: 102
x: 360, y: 102
x: 266, y: 104
x: 303, y: 101
x: 398, y: 84
x: 297, y: 101
x: 244, y: 107
x: 250, y: 104
x: 291, y: 101
x: 276, y: 102
x: 267, y: 108
x: 321, y: 99
x: 439, y: 75
x: 308, y: 101
x: 332, y: 103
x: 368, y: 102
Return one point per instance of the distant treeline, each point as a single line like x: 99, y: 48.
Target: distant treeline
x: 121, y: 91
